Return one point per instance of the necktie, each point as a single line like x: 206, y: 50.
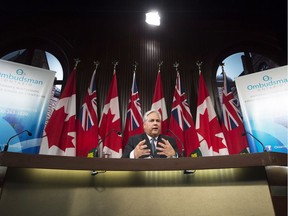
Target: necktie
x: 153, y: 149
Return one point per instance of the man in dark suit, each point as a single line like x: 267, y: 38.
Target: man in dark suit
x: 151, y: 144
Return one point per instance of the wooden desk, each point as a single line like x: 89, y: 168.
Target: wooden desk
x: 270, y: 166
x: 10, y: 159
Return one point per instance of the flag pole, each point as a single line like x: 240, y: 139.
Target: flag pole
x: 115, y: 63
x: 96, y: 63
x: 135, y: 66
x: 77, y: 61
x: 222, y: 64
x: 199, y: 64
x: 176, y: 65
x: 159, y: 65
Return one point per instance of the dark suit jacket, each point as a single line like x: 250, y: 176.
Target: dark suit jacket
x: 134, y: 140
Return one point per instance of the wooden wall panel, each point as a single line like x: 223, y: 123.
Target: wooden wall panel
x: 147, y: 48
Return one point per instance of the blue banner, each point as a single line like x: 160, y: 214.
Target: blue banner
x: 263, y: 98
x: 25, y: 92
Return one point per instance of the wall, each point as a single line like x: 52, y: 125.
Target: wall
x: 190, y: 31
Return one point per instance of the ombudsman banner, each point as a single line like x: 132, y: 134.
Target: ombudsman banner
x: 264, y: 102
x: 24, y: 94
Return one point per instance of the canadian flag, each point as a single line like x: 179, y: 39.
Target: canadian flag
x: 158, y: 103
x: 211, y: 137
x: 59, y: 137
x: 110, y: 124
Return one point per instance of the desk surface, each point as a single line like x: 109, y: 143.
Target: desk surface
x: 20, y: 160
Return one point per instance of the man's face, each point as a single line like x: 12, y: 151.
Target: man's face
x: 152, y: 126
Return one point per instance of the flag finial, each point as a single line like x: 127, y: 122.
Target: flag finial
x: 115, y: 63
x: 96, y: 63
x: 135, y: 66
x: 176, y: 65
x: 160, y: 64
x: 222, y: 64
x: 199, y: 63
x: 77, y: 60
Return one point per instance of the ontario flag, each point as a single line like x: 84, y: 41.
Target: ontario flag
x: 110, y: 123
x: 87, y: 128
x: 59, y: 137
x: 181, y: 125
x: 134, y: 121
x: 232, y: 124
x: 210, y: 135
x: 158, y: 103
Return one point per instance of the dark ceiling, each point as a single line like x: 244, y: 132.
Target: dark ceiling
x: 175, y: 13
x: 181, y: 20
x: 200, y: 8
x: 194, y: 19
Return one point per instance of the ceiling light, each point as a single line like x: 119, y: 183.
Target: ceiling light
x: 153, y: 18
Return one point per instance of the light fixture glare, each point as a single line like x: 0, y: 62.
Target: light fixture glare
x: 153, y: 18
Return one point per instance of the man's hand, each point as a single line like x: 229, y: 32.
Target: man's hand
x: 141, y: 149
x: 166, y: 148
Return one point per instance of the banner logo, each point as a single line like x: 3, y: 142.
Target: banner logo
x: 268, y: 82
x: 21, y: 77
x: 20, y: 72
x: 266, y: 78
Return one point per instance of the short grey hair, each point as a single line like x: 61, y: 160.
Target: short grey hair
x: 145, y: 117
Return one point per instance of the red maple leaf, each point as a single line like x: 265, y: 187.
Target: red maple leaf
x: 204, y: 129
x: 113, y: 141
x: 210, y: 131
x: 57, y: 130
x: 106, y: 121
x: 216, y: 135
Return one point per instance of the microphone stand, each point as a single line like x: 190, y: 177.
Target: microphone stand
x: 263, y: 147
x: 98, y: 152
x: 182, y: 144
x: 7, y: 145
x: 183, y: 151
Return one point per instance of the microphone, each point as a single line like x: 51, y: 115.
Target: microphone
x: 243, y: 134
x: 100, y: 141
x: 183, y: 150
x: 7, y: 145
x: 97, y: 151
